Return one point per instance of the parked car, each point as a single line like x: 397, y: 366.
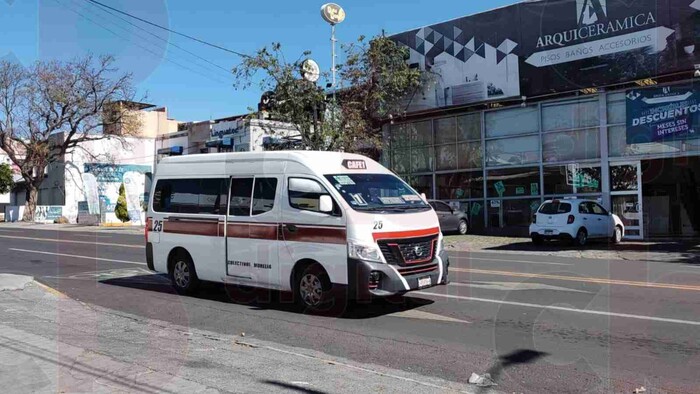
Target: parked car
x: 451, y: 220
x: 575, y: 220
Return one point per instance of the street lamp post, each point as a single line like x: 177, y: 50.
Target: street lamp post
x: 333, y: 14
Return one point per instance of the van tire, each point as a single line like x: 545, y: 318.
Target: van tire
x: 312, y: 288
x: 183, y: 275
x: 537, y: 240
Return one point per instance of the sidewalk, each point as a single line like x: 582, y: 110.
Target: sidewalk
x: 50, y: 343
x: 72, y: 227
x: 670, y: 251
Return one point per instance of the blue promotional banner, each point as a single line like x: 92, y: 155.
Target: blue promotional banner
x: 665, y: 113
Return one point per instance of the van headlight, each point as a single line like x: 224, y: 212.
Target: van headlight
x: 364, y: 252
x: 441, y: 245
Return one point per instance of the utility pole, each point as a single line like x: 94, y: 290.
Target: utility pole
x: 333, y: 14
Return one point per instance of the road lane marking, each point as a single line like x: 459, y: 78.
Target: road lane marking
x: 579, y: 279
x: 74, y: 241
x: 515, y: 286
x: 509, y: 261
x: 565, y: 309
x: 422, y: 315
x: 76, y: 256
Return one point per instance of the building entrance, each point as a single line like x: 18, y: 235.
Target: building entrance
x: 671, y: 197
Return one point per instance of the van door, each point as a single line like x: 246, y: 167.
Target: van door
x: 309, y: 233
x: 252, y: 231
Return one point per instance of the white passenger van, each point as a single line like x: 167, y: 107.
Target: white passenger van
x: 318, y: 224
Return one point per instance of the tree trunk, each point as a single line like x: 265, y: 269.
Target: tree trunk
x: 30, y: 207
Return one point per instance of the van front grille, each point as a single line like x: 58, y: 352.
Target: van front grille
x: 409, y: 251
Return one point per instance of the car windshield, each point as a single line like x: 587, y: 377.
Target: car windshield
x: 377, y: 192
x: 553, y: 208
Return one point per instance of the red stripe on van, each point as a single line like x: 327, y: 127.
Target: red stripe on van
x: 322, y: 235
x: 267, y: 231
x: 406, y: 234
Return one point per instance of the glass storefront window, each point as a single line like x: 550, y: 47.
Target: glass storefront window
x: 460, y: 185
x: 475, y: 210
x: 623, y: 178
x: 422, y: 184
x: 401, y: 161
x: 511, y: 217
x: 513, y: 151
x: 570, y: 115
x: 400, y: 136
x: 571, y: 145
x: 512, y: 182
x: 421, y: 133
x: 422, y: 159
x: 618, y: 146
x: 616, y: 108
x: 560, y: 180
x: 512, y: 122
x: 469, y: 155
x: 627, y: 208
x: 445, y: 130
x: 469, y: 127
x: 446, y: 157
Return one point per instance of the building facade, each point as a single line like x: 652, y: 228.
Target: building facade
x: 594, y: 99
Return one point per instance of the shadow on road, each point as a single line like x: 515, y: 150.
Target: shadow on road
x: 291, y: 387
x: 519, y: 356
x: 262, y: 299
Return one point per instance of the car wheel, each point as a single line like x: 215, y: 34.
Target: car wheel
x: 581, y: 238
x: 183, y: 275
x: 617, y: 235
x: 463, y: 227
x: 313, y: 288
x: 537, y: 240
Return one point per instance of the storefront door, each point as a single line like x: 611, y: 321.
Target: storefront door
x: 626, y: 196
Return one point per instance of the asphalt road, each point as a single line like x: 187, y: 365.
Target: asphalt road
x: 536, y: 323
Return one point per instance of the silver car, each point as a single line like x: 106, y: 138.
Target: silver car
x: 451, y: 220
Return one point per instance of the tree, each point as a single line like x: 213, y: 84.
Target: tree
x: 374, y: 83
x: 121, y: 209
x: 51, y: 108
x: 6, y: 181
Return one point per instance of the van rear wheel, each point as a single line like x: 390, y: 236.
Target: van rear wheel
x: 183, y: 275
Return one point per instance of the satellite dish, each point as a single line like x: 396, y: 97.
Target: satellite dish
x: 332, y: 13
x: 310, y: 70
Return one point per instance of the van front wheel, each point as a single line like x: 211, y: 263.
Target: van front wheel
x: 313, y: 288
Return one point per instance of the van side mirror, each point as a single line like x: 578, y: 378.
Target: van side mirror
x: 325, y: 204
x: 425, y: 199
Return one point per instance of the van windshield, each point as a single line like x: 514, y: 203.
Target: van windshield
x: 377, y: 192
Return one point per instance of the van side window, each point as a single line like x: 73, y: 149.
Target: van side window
x: 305, y: 194
x: 213, y: 195
x: 192, y: 196
x: 264, y: 195
x: 241, y: 190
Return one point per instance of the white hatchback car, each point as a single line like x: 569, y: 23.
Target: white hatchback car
x: 576, y: 221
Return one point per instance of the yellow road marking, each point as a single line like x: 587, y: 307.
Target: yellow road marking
x: 50, y: 290
x: 579, y: 279
x: 73, y: 241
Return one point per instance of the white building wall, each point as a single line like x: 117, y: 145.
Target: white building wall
x: 111, y: 163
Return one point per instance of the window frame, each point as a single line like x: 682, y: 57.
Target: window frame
x: 153, y: 202
x: 230, y: 195
x: 336, y: 207
x: 274, y: 200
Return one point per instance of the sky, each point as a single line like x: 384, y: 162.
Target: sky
x: 189, y: 87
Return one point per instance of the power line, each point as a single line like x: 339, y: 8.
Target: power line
x: 169, y: 30
x: 163, y: 39
x: 140, y: 46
